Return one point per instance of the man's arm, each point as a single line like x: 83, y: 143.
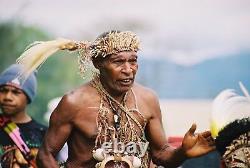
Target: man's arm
x: 60, y: 126
x: 162, y: 154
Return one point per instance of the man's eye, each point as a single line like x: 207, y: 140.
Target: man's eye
x: 134, y: 60
x: 118, y: 61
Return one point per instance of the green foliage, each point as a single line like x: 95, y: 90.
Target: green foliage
x: 56, y: 76
x: 14, y: 38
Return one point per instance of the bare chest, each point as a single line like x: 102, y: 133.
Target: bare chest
x: 86, y: 121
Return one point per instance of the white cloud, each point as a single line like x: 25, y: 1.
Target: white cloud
x: 185, y: 31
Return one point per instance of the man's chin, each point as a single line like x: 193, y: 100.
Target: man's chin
x: 125, y: 89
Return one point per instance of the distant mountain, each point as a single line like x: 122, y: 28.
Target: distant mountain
x: 201, y: 81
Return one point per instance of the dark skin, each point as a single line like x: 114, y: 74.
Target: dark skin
x: 13, y: 102
x: 74, y: 119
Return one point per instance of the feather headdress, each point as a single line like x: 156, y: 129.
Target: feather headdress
x: 227, y: 107
x: 37, y: 53
x: 111, y: 43
x: 231, y: 127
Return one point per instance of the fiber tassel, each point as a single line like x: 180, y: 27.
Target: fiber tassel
x: 38, y: 53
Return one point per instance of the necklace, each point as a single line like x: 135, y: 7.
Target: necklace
x: 125, y: 129
x: 97, y: 84
x: 117, y: 115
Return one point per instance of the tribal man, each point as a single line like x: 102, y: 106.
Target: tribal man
x: 111, y: 121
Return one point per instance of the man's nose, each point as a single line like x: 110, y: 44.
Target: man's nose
x: 127, y: 68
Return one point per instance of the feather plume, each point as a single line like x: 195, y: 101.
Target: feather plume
x: 244, y: 90
x: 227, y: 107
x: 37, y: 53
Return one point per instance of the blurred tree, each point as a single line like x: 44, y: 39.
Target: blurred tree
x: 14, y: 38
x: 58, y: 75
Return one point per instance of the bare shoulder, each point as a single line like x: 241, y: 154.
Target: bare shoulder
x: 76, y: 101
x: 81, y: 95
x: 147, y: 100
x: 145, y: 93
x: 148, y: 103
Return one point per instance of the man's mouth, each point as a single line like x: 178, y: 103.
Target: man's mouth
x: 126, y: 81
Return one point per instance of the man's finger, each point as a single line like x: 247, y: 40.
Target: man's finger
x: 206, y: 134
x: 192, y: 129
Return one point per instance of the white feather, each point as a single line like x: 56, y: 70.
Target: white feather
x: 227, y: 107
x: 244, y: 90
x: 35, y: 55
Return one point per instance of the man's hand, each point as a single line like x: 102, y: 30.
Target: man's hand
x: 195, y: 145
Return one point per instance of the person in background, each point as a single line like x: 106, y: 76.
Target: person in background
x: 20, y: 135
x: 231, y: 128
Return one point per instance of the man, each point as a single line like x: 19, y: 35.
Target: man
x: 111, y: 121
x: 20, y: 135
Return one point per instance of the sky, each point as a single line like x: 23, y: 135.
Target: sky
x: 184, y: 31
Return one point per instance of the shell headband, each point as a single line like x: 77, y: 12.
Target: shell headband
x: 113, y: 43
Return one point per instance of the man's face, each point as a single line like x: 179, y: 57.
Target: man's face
x: 12, y: 100
x: 118, y: 72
